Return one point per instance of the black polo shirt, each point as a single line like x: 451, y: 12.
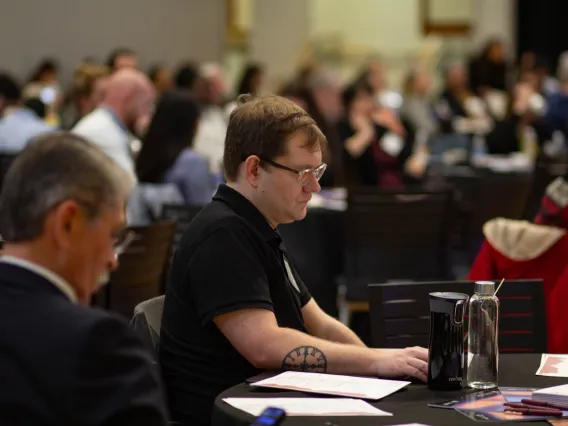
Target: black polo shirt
x: 229, y: 259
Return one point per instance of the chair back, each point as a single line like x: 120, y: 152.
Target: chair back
x: 183, y: 215
x: 147, y: 321
x: 396, y: 235
x: 400, y: 314
x: 141, y: 267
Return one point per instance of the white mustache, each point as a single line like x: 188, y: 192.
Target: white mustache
x: 104, y: 278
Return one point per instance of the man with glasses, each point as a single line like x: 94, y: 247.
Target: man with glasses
x: 235, y: 306
x: 61, y: 362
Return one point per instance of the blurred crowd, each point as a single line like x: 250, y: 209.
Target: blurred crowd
x: 168, y: 126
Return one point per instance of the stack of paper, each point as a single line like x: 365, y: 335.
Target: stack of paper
x: 556, y: 395
x: 307, y: 406
x: 553, y: 366
x: 329, y: 384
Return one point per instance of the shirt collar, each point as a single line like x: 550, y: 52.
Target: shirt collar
x: 244, y: 208
x: 115, y: 118
x: 52, y: 277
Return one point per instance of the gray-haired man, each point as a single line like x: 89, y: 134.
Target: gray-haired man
x: 61, y: 214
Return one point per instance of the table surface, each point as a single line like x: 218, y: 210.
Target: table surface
x: 408, y: 406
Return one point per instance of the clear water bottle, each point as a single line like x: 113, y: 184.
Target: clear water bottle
x: 483, y: 345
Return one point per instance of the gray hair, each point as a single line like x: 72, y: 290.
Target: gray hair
x: 53, y: 168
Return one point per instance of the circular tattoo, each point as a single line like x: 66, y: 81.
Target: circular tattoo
x: 305, y: 358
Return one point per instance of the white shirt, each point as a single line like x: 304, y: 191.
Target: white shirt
x: 52, y: 277
x: 102, y: 128
x: 210, y: 137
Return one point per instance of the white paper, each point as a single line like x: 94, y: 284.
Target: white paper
x: 553, y: 365
x: 329, y: 384
x: 307, y: 406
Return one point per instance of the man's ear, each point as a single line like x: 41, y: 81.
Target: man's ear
x: 252, y: 170
x: 65, y: 221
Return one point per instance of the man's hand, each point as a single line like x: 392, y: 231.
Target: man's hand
x: 407, y: 362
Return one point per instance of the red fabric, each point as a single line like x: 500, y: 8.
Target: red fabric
x: 558, y: 316
x: 389, y: 174
x: 490, y: 264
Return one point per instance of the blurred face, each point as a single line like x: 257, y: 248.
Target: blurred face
x: 363, y: 104
x: 125, y: 61
x: 141, y: 107
x: 377, y: 76
x: 163, y: 80
x: 456, y: 78
x: 86, y: 246
x: 278, y: 193
x: 496, y: 52
x: 422, y: 84
x: 328, y: 101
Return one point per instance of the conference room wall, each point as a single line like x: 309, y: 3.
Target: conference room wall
x: 70, y: 30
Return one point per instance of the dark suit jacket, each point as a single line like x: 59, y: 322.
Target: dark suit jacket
x: 65, y: 364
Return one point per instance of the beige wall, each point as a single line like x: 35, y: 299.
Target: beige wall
x: 161, y: 30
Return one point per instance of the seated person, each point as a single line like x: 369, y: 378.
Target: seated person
x: 376, y: 144
x: 516, y: 249
x: 167, y: 155
x: 63, y: 363
x: 235, y: 306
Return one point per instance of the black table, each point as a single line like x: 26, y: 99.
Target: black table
x: 407, y: 406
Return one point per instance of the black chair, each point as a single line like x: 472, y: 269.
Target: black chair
x: 400, y: 314
x: 393, y: 235
x: 141, y: 267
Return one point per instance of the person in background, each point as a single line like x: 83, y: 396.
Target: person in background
x: 235, y: 306
x: 374, y: 154
x: 19, y: 124
x: 187, y: 77
x: 161, y: 77
x: 323, y: 104
x: 489, y: 69
x: 556, y: 116
x: 251, y: 80
x: 211, y: 93
x: 61, y: 215
x: 127, y: 104
x: 515, y: 249
x: 167, y: 155
x: 120, y: 58
x: 86, y: 94
x: 43, y: 84
x: 417, y: 108
x: 37, y: 106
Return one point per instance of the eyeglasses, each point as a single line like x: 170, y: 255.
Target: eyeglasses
x: 121, y: 246
x: 303, y: 175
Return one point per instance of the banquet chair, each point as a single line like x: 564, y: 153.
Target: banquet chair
x: 400, y: 314
x: 393, y: 235
x: 147, y: 321
x: 182, y: 215
x: 141, y: 267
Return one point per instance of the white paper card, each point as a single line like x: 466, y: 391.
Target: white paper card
x: 553, y: 365
x: 330, y: 384
x: 307, y: 406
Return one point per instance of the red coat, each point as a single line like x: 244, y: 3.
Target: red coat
x: 558, y: 315
x: 517, y: 250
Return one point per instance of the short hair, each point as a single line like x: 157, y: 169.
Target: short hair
x: 53, y: 168
x: 116, y: 53
x: 350, y: 92
x: 85, y: 78
x: 9, y: 89
x: 262, y: 126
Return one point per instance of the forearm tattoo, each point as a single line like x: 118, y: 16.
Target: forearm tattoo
x: 305, y: 358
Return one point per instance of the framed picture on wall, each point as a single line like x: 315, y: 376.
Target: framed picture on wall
x: 447, y: 17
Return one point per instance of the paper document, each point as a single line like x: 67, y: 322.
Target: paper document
x: 307, y: 406
x: 330, y: 384
x: 553, y: 366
